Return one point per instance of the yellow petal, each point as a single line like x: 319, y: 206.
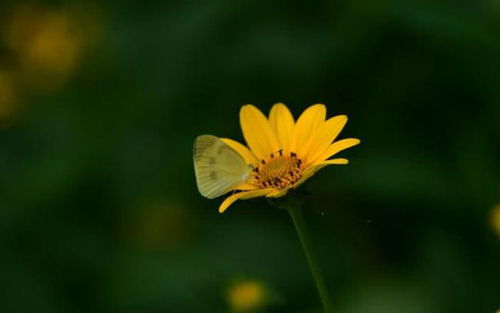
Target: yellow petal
x: 336, y: 147
x: 333, y: 161
x: 282, y: 123
x: 324, y: 136
x: 306, y: 126
x: 242, y: 195
x: 310, y: 171
x: 242, y: 150
x: 277, y: 193
x: 245, y: 187
x: 258, y: 134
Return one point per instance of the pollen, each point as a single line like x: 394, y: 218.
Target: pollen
x: 278, y: 171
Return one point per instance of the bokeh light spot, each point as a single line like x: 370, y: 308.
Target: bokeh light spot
x: 246, y: 296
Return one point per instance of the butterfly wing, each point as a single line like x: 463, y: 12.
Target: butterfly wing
x: 218, y: 167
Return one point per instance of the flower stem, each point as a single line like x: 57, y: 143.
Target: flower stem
x: 295, y: 211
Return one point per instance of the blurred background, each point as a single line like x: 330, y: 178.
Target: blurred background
x: 100, y: 103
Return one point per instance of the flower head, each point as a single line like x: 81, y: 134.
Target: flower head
x: 246, y: 296
x: 495, y: 219
x: 282, y: 152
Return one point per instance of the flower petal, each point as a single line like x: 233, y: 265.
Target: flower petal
x: 311, y: 170
x: 282, y: 123
x: 324, y: 136
x: 336, y: 147
x: 245, y: 187
x: 306, y: 126
x: 277, y: 193
x: 242, y: 150
x: 333, y: 161
x: 242, y: 195
x: 258, y: 134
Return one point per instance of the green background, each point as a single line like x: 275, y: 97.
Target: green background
x: 99, y: 210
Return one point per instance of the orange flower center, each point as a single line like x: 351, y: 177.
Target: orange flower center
x: 278, y: 171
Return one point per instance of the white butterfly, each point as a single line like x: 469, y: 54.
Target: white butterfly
x: 218, y: 167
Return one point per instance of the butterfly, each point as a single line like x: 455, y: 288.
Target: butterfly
x: 218, y: 167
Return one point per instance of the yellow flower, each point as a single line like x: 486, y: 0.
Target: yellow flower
x: 8, y: 98
x: 48, y: 44
x: 495, y: 219
x: 283, y: 152
x: 246, y: 296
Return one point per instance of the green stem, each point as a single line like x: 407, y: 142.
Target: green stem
x: 295, y: 211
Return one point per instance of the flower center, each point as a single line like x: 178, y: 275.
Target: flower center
x: 278, y: 171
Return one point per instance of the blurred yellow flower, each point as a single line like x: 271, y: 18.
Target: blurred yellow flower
x: 8, y: 97
x: 159, y: 225
x: 495, y: 219
x: 246, y: 296
x: 282, y: 153
x: 46, y: 43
